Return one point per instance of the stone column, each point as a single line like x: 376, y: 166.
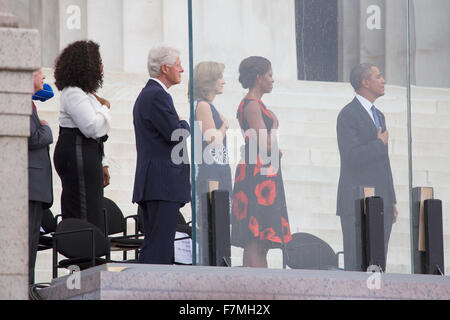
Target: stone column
x: 7, y: 19
x: 19, y: 57
x: 432, y: 36
x: 48, y: 14
x: 43, y: 15
x: 72, y: 21
x: 396, y: 45
x: 348, y: 51
x: 372, y: 32
x: 175, y: 27
x: 142, y: 29
x: 105, y: 26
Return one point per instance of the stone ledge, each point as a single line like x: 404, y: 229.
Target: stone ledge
x: 16, y: 82
x: 142, y: 282
x: 13, y: 286
x: 15, y: 103
x: 14, y: 125
x: 20, y: 49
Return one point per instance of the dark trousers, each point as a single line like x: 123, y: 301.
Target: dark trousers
x: 35, y: 212
x: 351, y: 233
x: 78, y: 162
x: 159, y: 223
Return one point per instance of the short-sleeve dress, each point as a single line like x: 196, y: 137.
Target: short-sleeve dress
x: 258, y: 204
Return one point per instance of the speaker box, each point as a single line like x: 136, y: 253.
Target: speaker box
x: 219, y: 231
x: 373, y: 233
x: 434, y: 254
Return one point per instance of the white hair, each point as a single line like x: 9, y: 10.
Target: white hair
x: 159, y: 55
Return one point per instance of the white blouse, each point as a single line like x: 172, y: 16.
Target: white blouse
x: 83, y: 111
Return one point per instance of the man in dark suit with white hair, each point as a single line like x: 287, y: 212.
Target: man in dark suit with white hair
x: 162, y: 183
x: 363, y: 146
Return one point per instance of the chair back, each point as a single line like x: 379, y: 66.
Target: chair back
x: 74, y: 239
x: 116, y: 220
x: 306, y: 251
x: 48, y: 222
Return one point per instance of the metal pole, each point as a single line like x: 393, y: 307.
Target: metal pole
x: 192, y: 118
x: 408, y: 111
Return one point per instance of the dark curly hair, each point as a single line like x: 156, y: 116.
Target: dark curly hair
x: 79, y: 65
x: 250, y: 67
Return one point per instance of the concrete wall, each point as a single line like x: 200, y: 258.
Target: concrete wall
x: 432, y: 25
x: 19, y: 57
x: 229, y: 31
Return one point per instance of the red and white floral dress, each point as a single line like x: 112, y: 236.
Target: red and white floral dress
x: 258, y: 204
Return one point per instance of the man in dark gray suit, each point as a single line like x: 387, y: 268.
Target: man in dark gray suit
x: 40, y: 193
x: 363, y: 147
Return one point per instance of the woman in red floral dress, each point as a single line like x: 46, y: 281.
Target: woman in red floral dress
x: 259, y: 215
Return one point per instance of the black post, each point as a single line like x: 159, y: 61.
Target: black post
x: 373, y: 234
x: 219, y: 230
x: 434, y: 255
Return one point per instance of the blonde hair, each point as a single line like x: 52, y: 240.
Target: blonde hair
x: 206, y: 74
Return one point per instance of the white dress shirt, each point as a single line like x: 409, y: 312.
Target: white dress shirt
x: 162, y: 84
x: 367, y: 105
x: 83, y: 111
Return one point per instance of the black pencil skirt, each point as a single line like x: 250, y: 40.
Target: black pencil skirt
x: 78, y: 162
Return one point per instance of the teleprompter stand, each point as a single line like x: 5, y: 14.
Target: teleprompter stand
x: 219, y: 229
x: 372, y: 224
x: 428, y: 248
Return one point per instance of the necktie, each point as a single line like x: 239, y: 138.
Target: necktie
x: 375, y: 117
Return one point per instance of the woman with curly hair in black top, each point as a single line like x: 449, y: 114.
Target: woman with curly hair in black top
x: 84, y: 124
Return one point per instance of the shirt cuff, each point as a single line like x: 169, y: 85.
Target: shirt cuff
x: 105, y: 162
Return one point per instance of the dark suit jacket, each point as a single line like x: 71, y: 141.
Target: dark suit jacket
x: 157, y: 176
x: 39, y: 165
x: 364, y: 159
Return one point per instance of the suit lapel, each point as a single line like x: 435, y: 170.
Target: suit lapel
x: 152, y: 82
x: 364, y: 116
x: 34, y: 113
x: 155, y: 84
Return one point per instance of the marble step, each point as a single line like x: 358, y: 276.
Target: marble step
x: 316, y: 150
x: 434, y: 148
x: 120, y: 84
x: 421, y: 118
x: 122, y: 97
